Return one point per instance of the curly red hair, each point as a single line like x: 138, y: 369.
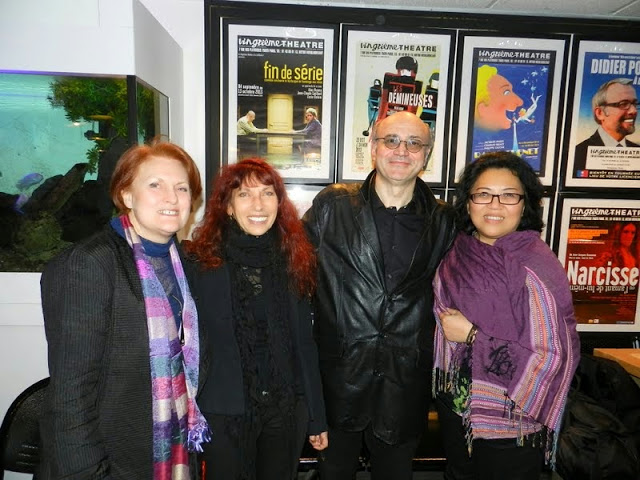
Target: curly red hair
x: 206, y: 245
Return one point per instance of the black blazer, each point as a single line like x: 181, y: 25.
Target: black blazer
x: 97, y: 421
x: 222, y: 392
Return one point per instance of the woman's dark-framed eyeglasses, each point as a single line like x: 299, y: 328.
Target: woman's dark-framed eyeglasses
x: 508, y: 198
x: 392, y: 142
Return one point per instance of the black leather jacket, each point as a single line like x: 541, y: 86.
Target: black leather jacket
x: 375, y: 346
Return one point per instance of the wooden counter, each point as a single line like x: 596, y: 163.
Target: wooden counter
x: 629, y: 358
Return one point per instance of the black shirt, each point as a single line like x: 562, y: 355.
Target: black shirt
x: 399, y: 232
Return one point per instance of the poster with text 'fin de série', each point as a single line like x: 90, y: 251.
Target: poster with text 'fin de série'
x: 279, y: 90
x: 601, y: 253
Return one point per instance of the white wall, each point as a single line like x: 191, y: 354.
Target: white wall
x: 111, y: 37
x: 184, y: 20
x: 158, y: 62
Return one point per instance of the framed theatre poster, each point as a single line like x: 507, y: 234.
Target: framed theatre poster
x: 278, y: 97
x: 547, y: 206
x: 604, y: 143
x: 598, y: 245
x: 386, y: 72
x: 510, y: 92
x: 302, y: 196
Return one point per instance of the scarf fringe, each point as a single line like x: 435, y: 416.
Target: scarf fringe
x: 198, y: 434
x: 447, y: 382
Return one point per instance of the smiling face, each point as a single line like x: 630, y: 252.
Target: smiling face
x: 159, y: 199
x: 399, y: 167
x: 494, y: 114
x: 254, y: 206
x: 617, y: 122
x: 494, y: 220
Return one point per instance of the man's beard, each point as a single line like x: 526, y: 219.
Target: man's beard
x: 626, y: 128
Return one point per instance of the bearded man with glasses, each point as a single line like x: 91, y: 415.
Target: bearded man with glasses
x: 615, y: 108
x: 378, y: 246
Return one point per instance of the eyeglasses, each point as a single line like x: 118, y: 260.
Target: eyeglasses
x: 622, y: 105
x: 485, y: 198
x: 393, y: 142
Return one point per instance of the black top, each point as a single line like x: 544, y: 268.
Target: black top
x: 399, y: 231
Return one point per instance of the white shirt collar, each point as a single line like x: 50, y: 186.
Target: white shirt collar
x: 608, y: 140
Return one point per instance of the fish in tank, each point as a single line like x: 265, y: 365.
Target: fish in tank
x: 60, y: 138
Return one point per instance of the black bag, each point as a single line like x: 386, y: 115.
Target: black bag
x: 594, y: 442
x: 609, y: 384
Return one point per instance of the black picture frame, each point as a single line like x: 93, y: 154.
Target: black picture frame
x: 280, y: 71
x: 588, y: 163
x: 588, y: 232
x: 374, y: 82
x: 536, y: 66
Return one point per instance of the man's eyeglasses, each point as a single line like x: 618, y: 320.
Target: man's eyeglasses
x: 622, y: 105
x: 392, y: 142
x: 508, y: 198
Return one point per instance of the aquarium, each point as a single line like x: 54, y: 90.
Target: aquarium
x: 153, y: 113
x: 60, y: 138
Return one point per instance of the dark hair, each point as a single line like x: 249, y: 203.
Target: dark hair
x: 533, y: 189
x: 617, y: 232
x: 206, y: 245
x: 127, y: 168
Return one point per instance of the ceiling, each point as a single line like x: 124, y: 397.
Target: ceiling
x: 177, y: 16
x: 610, y: 9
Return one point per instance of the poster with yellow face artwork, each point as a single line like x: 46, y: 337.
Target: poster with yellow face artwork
x: 509, y: 96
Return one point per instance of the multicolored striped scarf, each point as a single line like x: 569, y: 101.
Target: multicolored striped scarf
x: 178, y: 425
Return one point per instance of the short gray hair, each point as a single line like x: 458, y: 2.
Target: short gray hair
x: 600, y: 97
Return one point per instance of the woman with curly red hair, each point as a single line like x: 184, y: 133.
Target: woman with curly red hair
x: 252, y: 271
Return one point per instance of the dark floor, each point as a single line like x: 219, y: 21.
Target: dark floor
x: 434, y: 475
x: 428, y: 464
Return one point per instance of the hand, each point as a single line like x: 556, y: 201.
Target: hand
x: 319, y: 442
x: 455, y: 325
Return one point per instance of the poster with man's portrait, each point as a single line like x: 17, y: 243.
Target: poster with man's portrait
x: 510, y: 90
x: 604, y: 143
x: 388, y: 72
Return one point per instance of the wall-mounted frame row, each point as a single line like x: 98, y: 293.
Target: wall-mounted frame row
x: 528, y: 94
x: 479, y: 83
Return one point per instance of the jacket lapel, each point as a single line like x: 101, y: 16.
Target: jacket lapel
x: 363, y: 214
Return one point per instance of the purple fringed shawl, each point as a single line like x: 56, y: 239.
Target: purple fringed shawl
x: 178, y: 425
x: 527, y: 348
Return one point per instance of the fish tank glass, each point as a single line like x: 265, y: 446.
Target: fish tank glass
x: 153, y: 113
x: 60, y: 138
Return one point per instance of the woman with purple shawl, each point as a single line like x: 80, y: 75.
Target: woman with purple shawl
x: 506, y: 345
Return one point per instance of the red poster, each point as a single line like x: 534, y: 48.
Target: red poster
x: 601, y: 255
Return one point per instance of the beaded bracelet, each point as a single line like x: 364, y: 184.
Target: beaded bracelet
x: 472, y: 335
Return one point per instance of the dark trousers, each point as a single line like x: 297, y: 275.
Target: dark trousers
x: 490, y: 459
x: 273, y: 446
x: 339, y: 461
